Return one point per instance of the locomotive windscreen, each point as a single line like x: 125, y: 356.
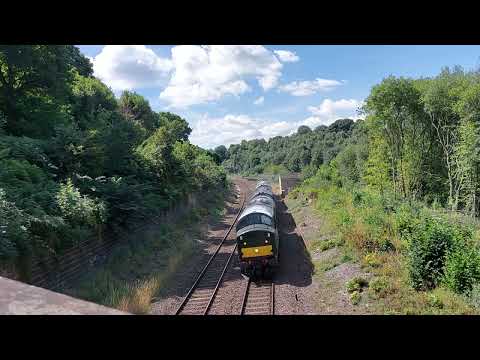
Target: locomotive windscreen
x: 255, y: 218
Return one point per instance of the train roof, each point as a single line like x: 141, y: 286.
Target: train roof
x: 261, y: 204
x: 262, y: 200
x: 262, y: 183
x: 260, y: 209
x: 267, y: 190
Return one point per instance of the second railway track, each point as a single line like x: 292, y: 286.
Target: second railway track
x: 201, y: 295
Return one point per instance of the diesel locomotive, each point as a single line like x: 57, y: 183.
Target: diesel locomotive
x: 257, y: 233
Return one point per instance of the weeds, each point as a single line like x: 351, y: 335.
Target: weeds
x: 136, y: 272
x: 356, y: 284
x: 410, y: 249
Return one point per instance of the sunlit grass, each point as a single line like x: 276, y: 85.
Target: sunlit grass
x: 370, y: 236
x: 136, y: 272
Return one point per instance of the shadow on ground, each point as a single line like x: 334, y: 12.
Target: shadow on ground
x: 296, y: 267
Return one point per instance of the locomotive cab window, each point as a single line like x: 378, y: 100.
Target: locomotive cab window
x: 252, y: 219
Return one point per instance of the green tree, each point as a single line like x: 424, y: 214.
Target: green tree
x: 33, y: 87
x: 136, y: 108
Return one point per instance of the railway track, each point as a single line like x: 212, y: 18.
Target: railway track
x: 259, y: 298
x: 201, y: 295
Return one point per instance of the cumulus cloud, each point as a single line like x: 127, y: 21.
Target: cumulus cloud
x: 130, y: 66
x: 259, y: 101
x: 232, y: 129
x: 309, y: 87
x: 330, y: 110
x: 207, y: 73
x: 286, y: 56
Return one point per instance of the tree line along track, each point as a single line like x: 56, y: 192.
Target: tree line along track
x: 201, y: 295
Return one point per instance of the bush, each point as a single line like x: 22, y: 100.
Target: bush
x: 462, y: 268
x: 356, y: 284
x: 14, y: 226
x: 429, y: 244
x: 77, y: 208
x: 355, y: 297
x: 379, y: 286
x: 372, y: 259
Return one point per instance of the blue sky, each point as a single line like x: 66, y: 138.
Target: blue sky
x: 230, y: 93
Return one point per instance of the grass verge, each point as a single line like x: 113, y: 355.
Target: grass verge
x: 377, y: 234
x: 136, y: 271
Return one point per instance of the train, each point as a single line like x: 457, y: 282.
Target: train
x: 257, y: 234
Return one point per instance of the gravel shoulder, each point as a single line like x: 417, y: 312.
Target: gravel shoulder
x: 324, y: 292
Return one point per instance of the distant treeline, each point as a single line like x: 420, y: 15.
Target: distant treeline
x: 305, y: 150
x: 74, y: 159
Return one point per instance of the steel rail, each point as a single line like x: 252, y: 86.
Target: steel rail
x: 204, y: 270
x: 219, y: 281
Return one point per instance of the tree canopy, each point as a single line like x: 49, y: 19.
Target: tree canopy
x: 75, y: 160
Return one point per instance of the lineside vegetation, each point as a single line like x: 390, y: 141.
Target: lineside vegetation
x: 76, y: 162
x: 401, y: 190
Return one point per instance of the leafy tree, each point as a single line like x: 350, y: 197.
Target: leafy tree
x: 74, y: 159
x: 89, y: 98
x: 33, y: 87
x: 221, y: 152
x: 304, y: 130
x: 136, y: 108
x: 177, y: 126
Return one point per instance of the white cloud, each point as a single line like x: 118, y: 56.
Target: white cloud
x: 207, y: 73
x: 259, y: 101
x: 130, y: 66
x: 286, y: 56
x: 232, y: 129
x: 330, y: 110
x: 309, y: 87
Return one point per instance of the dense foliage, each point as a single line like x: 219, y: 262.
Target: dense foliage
x: 302, y: 151
x: 402, y: 185
x: 75, y: 160
x: 406, y: 181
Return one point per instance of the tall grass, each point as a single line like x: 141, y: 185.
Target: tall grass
x: 135, y: 273
x: 391, y: 238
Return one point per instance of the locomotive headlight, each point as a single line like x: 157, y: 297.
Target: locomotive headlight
x: 256, y: 250
x: 266, y: 241
x: 244, y: 243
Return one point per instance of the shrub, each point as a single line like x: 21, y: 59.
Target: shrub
x: 379, y: 286
x: 355, y: 297
x: 434, y: 301
x: 462, y: 268
x: 356, y: 284
x: 372, y: 259
x: 327, y: 244
x: 429, y: 244
x: 474, y: 296
x: 78, y: 208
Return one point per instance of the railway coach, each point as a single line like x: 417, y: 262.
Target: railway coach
x: 257, y: 233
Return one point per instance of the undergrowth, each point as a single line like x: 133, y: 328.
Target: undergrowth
x: 423, y: 261
x: 136, y: 272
